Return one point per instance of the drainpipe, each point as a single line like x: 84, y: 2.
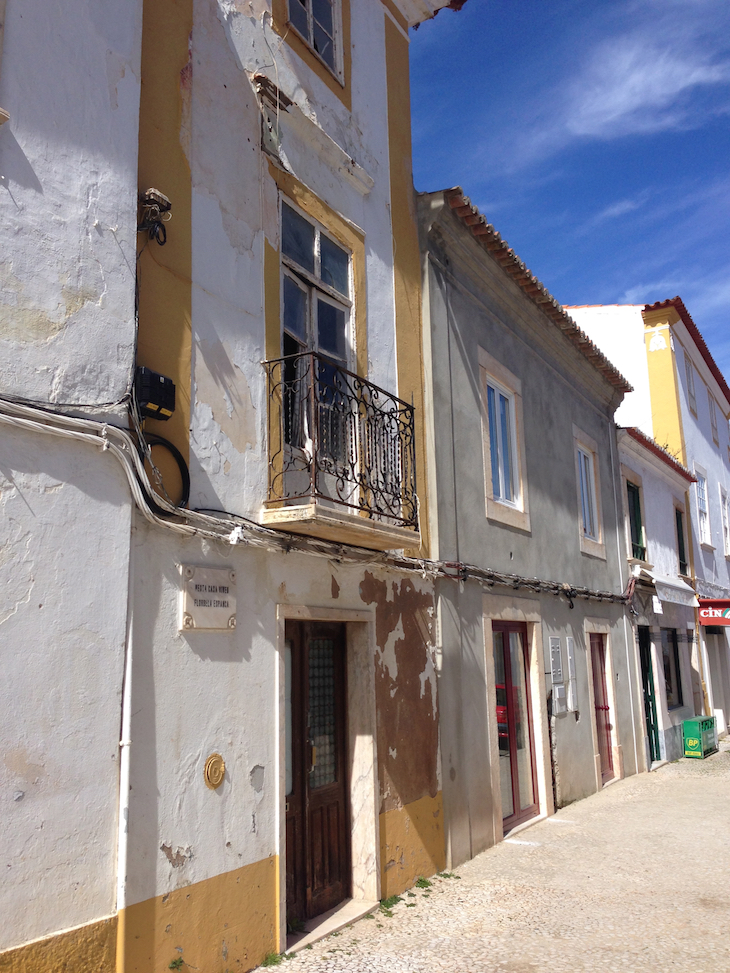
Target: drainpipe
x: 698, y: 627
x: 628, y: 640
x: 125, y: 745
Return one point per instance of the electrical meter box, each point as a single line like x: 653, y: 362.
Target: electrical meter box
x: 699, y: 737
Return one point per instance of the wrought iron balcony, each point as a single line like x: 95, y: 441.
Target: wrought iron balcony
x: 343, y: 444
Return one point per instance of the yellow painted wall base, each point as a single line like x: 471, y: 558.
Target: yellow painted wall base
x: 411, y: 844
x: 229, y: 922
x: 87, y: 949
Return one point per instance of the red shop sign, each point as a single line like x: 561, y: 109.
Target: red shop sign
x: 714, y: 611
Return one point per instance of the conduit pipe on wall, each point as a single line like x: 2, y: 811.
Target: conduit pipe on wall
x: 125, y: 758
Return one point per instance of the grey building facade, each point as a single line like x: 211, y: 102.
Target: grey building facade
x: 538, y: 683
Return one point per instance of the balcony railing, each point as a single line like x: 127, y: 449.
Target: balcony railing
x: 337, y: 438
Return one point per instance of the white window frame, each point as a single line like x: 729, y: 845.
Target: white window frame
x: 630, y: 476
x: 585, y: 446
x: 515, y: 512
x: 725, y: 515
x: 338, y: 69
x: 703, y: 508
x: 712, y: 405
x: 689, y: 371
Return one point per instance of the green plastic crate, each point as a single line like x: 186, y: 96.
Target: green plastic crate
x: 699, y: 737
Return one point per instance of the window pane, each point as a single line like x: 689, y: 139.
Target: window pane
x: 298, y: 17
x: 493, y: 440
x: 323, y: 46
x: 331, y: 322
x: 297, y: 238
x: 335, y: 265
x: 322, y: 10
x: 295, y: 309
x: 586, y: 494
x: 506, y: 435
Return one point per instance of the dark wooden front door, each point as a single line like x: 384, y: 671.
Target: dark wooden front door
x: 514, y: 724
x: 603, y: 713
x: 317, y: 813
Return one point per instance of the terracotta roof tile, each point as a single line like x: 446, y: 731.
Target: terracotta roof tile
x: 490, y: 239
x: 653, y: 446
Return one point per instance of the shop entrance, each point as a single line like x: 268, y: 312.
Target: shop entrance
x: 317, y: 812
x: 517, y: 772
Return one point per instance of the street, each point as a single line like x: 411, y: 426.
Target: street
x: 636, y: 878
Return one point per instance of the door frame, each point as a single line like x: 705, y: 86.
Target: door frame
x: 362, y: 762
x: 519, y: 816
x: 602, y: 626
x: 513, y: 608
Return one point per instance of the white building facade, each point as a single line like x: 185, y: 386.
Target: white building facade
x: 214, y: 730
x: 682, y: 401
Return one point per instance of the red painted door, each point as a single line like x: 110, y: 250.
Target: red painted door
x: 603, y: 712
x: 317, y: 813
x: 517, y: 770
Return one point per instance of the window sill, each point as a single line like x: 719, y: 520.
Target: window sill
x: 509, y: 516
x: 592, y: 548
x: 707, y: 547
x: 635, y: 562
x: 318, y: 519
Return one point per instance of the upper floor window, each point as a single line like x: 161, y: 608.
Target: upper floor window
x: 689, y: 371
x: 315, y: 289
x: 504, y: 459
x: 636, y: 527
x: 713, y: 416
x: 703, y: 516
x: 316, y: 21
x: 589, y: 494
x: 587, y: 479
x: 500, y: 409
x: 681, y: 546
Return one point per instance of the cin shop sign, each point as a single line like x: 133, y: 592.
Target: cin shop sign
x: 207, y: 599
x: 715, y: 611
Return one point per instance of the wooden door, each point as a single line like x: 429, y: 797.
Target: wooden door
x: 517, y: 769
x: 603, y: 713
x: 647, y: 681
x: 317, y: 813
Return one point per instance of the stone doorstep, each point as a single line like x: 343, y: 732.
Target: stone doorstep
x: 331, y: 921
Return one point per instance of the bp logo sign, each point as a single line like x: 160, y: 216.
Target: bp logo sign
x: 693, y: 743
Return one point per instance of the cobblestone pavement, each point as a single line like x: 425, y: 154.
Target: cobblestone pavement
x: 634, y: 879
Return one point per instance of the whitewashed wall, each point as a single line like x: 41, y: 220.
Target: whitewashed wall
x: 64, y: 555
x: 235, y: 211
x: 68, y: 186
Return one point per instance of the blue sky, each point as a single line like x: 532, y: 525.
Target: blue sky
x: 595, y: 136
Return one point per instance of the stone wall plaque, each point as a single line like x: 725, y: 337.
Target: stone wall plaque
x: 208, y: 599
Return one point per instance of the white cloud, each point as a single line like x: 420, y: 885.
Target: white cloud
x: 631, y: 85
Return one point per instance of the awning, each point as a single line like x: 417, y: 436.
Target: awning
x: 674, y: 590
x: 714, y: 611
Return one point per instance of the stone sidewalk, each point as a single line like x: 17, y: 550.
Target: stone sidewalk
x: 636, y: 878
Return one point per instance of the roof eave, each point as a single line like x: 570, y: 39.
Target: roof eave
x: 499, y: 250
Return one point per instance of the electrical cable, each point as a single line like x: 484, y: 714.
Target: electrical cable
x: 161, y: 512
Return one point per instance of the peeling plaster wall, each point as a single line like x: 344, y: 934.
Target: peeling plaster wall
x: 234, y: 211
x: 63, y: 576
x: 68, y: 186
x: 195, y: 693
x: 405, y: 686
